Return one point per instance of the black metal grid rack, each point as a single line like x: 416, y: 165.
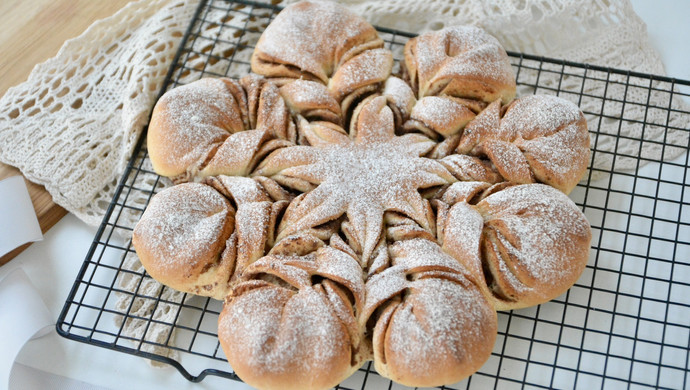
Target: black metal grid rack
x: 625, y: 323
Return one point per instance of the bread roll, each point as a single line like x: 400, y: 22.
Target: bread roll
x: 460, y: 61
x: 199, y: 237
x: 189, y: 249
x: 535, y: 138
x: 324, y: 42
x: 188, y: 122
x: 433, y: 326
x: 526, y: 244
x: 209, y: 128
x: 290, y: 322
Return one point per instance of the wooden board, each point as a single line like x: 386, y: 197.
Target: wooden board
x: 32, y: 32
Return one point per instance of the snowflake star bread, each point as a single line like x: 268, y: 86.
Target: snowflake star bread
x: 361, y: 177
x: 347, y: 214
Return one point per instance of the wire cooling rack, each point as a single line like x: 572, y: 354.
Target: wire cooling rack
x: 624, y: 324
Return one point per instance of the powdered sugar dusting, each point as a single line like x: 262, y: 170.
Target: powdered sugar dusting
x: 370, y: 67
x: 460, y: 51
x: 419, y: 255
x: 201, y: 114
x: 384, y: 175
x: 400, y: 94
x: 178, y: 240
x: 374, y: 171
x: 295, y: 271
x: 243, y: 189
x: 381, y: 287
x: 539, y: 138
x: 252, y: 221
x: 313, y: 40
x: 441, y: 114
x: 235, y: 154
x: 342, y: 268
x: 487, y: 62
x: 285, y: 317
x: 309, y: 94
x: 462, y: 235
x: 439, y: 323
x: 562, y: 152
x: 278, y: 331
x: 543, y: 224
x: 539, y: 115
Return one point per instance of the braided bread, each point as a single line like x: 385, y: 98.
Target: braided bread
x: 345, y: 214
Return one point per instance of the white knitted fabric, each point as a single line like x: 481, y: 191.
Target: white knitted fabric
x: 73, y: 124
x: 607, y: 33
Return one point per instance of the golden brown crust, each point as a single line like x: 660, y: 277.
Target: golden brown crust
x: 326, y: 43
x: 187, y: 249
x: 433, y: 326
x: 442, y: 115
x: 311, y: 40
x: 184, y: 129
x: 216, y: 127
x: 311, y: 100
x: 460, y: 61
x: 525, y: 244
x: 291, y: 355
x: 535, y: 138
x: 291, y: 321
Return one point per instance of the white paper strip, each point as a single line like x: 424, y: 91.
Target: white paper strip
x: 18, y: 222
x: 25, y: 377
x: 23, y: 316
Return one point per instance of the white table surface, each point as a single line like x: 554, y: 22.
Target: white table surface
x: 52, y: 264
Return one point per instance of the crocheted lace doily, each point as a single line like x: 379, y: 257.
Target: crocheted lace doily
x: 73, y: 124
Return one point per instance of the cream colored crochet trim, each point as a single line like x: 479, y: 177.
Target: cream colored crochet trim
x: 74, y: 123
